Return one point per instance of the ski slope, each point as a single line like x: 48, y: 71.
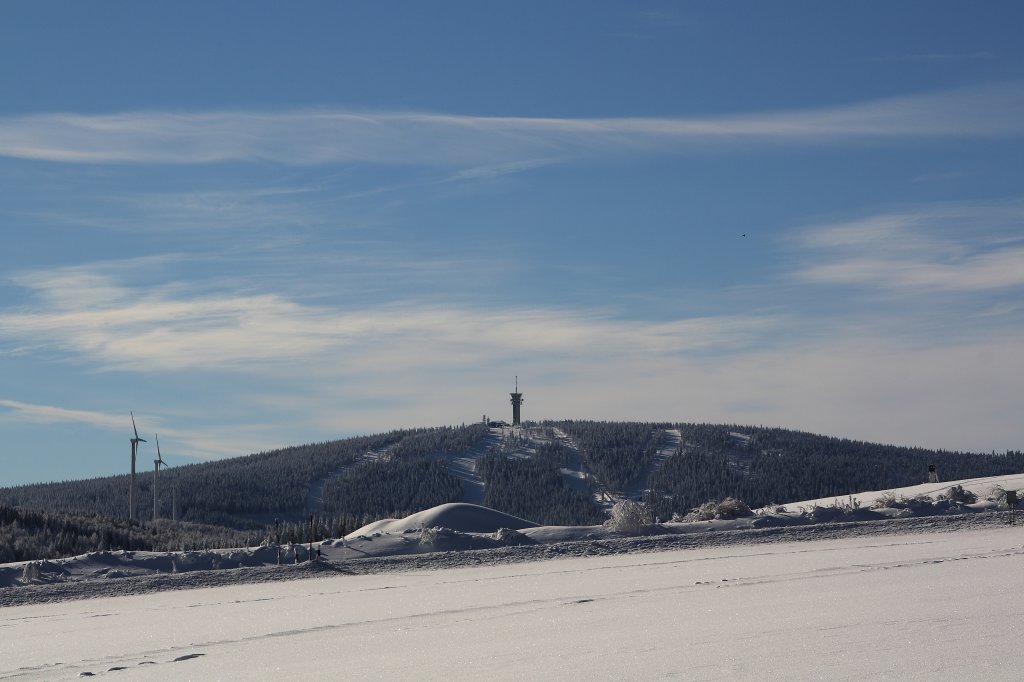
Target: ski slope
x: 928, y: 606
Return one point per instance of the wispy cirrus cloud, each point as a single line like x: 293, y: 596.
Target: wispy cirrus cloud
x: 50, y: 414
x: 950, y: 247
x: 85, y: 312
x: 229, y: 440
x: 431, y: 139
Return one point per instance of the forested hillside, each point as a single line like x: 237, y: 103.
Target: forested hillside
x: 763, y: 465
x: 531, y: 474
x: 245, y: 492
x: 534, y: 489
x: 615, y: 451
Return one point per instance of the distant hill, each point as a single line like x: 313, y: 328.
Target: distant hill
x: 553, y: 472
x: 762, y: 465
x: 253, y: 491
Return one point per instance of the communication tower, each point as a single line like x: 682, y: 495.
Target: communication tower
x: 517, y: 401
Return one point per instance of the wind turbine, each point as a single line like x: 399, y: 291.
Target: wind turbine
x: 157, y: 463
x: 135, y: 451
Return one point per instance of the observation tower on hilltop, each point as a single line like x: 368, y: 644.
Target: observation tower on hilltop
x: 517, y: 401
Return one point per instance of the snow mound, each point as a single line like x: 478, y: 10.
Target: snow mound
x: 457, y: 516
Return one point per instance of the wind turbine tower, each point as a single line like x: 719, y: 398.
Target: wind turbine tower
x: 157, y: 463
x: 131, y: 490
x: 517, y: 402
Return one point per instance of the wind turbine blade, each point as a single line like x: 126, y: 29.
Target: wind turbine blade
x: 133, y: 425
x: 159, y: 458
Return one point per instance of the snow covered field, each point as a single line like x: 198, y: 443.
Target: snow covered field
x: 930, y: 595
x: 919, y: 606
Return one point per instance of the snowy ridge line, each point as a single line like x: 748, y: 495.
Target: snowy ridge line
x: 58, y: 592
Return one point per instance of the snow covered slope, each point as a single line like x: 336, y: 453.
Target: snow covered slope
x: 979, y: 486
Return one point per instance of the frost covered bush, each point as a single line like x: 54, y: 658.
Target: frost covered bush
x: 826, y: 514
x: 30, y: 573
x: 850, y: 504
x: 729, y: 508
x: 958, y: 494
x: 629, y: 516
x: 997, y: 494
x: 916, y: 502
x: 885, y: 501
x: 430, y: 536
x: 511, y: 537
x: 705, y: 512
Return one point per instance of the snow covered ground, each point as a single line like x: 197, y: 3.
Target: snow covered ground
x: 918, y: 606
x: 981, y: 487
x: 932, y: 596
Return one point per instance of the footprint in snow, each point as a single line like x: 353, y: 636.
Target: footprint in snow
x: 187, y: 657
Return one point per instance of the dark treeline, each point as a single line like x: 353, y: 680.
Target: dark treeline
x: 244, y: 492
x: 391, y: 488
x: 30, y: 535
x: 440, y: 441
x: 616, y: 452
x: 240, y: 501
x: 764, y: 465
x: 534, y: 489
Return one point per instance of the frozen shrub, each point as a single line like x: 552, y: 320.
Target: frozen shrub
x: 629, y: 516
x: 511, y: 537
x: 826, y: 514
x: 997, y: 494
x: 914, y: 503
x: 958, y: 494
x: 429, y: 536
x: 705, y: 512
x: 440, y: 537
x: 850, y: 504
x: 731, y: 508
x: 30, y: 573
x: 886, y: 500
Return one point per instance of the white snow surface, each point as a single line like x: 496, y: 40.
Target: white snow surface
x: 908, y: 607
x: 933, y: 597
x: 981, y: 487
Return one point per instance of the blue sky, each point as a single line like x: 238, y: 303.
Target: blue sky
x: 260, y: 224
